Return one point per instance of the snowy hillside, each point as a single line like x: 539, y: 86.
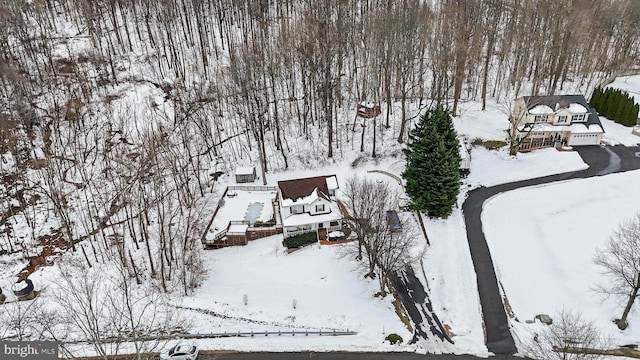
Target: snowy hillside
x: 123, y: 123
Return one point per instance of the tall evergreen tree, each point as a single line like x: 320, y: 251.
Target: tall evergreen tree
x: 620, y: 107
x: 606, y: 98
x: 594, y: 102
x: 433, y: 163
x: 626, y: 113
x: 616, y: 105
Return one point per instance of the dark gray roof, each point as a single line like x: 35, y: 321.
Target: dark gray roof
x: 564, y: 101
x: 594, y: 119
x: 551, y: 101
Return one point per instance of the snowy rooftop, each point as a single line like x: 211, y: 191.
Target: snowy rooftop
x: 576, y: 108
x: 541, y: 110
x: 295, y: 189
x: 306, y: 218
x: 245, y: 170
x: 303, y: 200
x: 573, y: 128
x: 332, y: 182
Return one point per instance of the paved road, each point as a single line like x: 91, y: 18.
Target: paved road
x: 601, y: 160
x: 345, y: 356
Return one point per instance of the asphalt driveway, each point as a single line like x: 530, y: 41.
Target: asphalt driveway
x: 601, y: 160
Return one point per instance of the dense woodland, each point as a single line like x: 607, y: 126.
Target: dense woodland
x: 114, y: 114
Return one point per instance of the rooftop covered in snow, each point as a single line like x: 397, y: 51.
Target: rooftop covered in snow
x: 540, y: 105
x: 247, y: 170
x: 300, y: 188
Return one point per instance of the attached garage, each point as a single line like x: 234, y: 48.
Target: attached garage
x: 584, y: 139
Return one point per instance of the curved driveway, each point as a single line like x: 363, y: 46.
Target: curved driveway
x: 601, y: 161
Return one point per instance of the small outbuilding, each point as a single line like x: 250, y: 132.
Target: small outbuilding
x: 368, y: 109
x: 245, y: 174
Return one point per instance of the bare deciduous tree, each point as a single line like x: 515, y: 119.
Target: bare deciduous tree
x: 366, y: 199
x: 570, y: 337
x: 520, y: 126
x: 18, y: 320
x: 620, y: 260
x: 385, y: 250
x: 111, y: 312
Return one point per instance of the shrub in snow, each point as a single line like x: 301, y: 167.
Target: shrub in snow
x: 394, y: 339
x: 300, y: 240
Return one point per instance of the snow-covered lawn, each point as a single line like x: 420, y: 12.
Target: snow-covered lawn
x: 492, y: 167
x: 559, y: 227
x: 318, y: 279
x: 239, y: 205
x: 543, y: 239
x: 630, y: 84
x: 311, y: 289
x: 571, y: 219
x: 615, y: 133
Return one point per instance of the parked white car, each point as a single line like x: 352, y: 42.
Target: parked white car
x: 181, y: 352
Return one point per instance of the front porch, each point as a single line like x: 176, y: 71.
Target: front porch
x: 538, y: 140
x: 321, y: 229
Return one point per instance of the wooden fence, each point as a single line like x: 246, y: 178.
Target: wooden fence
x: 252, y: 188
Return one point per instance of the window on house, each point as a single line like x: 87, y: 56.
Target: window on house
x: 562, y: 119
x: 294, y: 210
x: 320, y: 208
x: 577, y: 117
x: 540, y: 119
x: 332, y: 192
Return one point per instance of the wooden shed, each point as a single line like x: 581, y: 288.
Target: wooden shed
x: 245, y: 174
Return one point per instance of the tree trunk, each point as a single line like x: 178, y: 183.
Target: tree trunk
x: 373, y: 152
x: 622, y: 322
x: 485, y: 73
x: 403, y: 117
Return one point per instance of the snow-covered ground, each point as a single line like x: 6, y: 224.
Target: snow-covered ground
x: 311, y: 289
x: 543, y: 240
x: 264, y: 276
x: 616, y: 134
x: 630, y: 84
x: 448, y: 262
x: 328, y: 293
x: 239, y: 205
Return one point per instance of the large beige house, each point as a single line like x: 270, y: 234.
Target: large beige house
x: 559, y: 120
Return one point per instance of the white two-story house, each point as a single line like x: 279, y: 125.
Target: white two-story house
x: 309, y: 205
x: 559, y: 120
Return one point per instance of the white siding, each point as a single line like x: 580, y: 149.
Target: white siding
x: 319, y: 202
x: 584, y: 139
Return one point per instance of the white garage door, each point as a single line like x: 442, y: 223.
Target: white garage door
x: 584, y: 139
